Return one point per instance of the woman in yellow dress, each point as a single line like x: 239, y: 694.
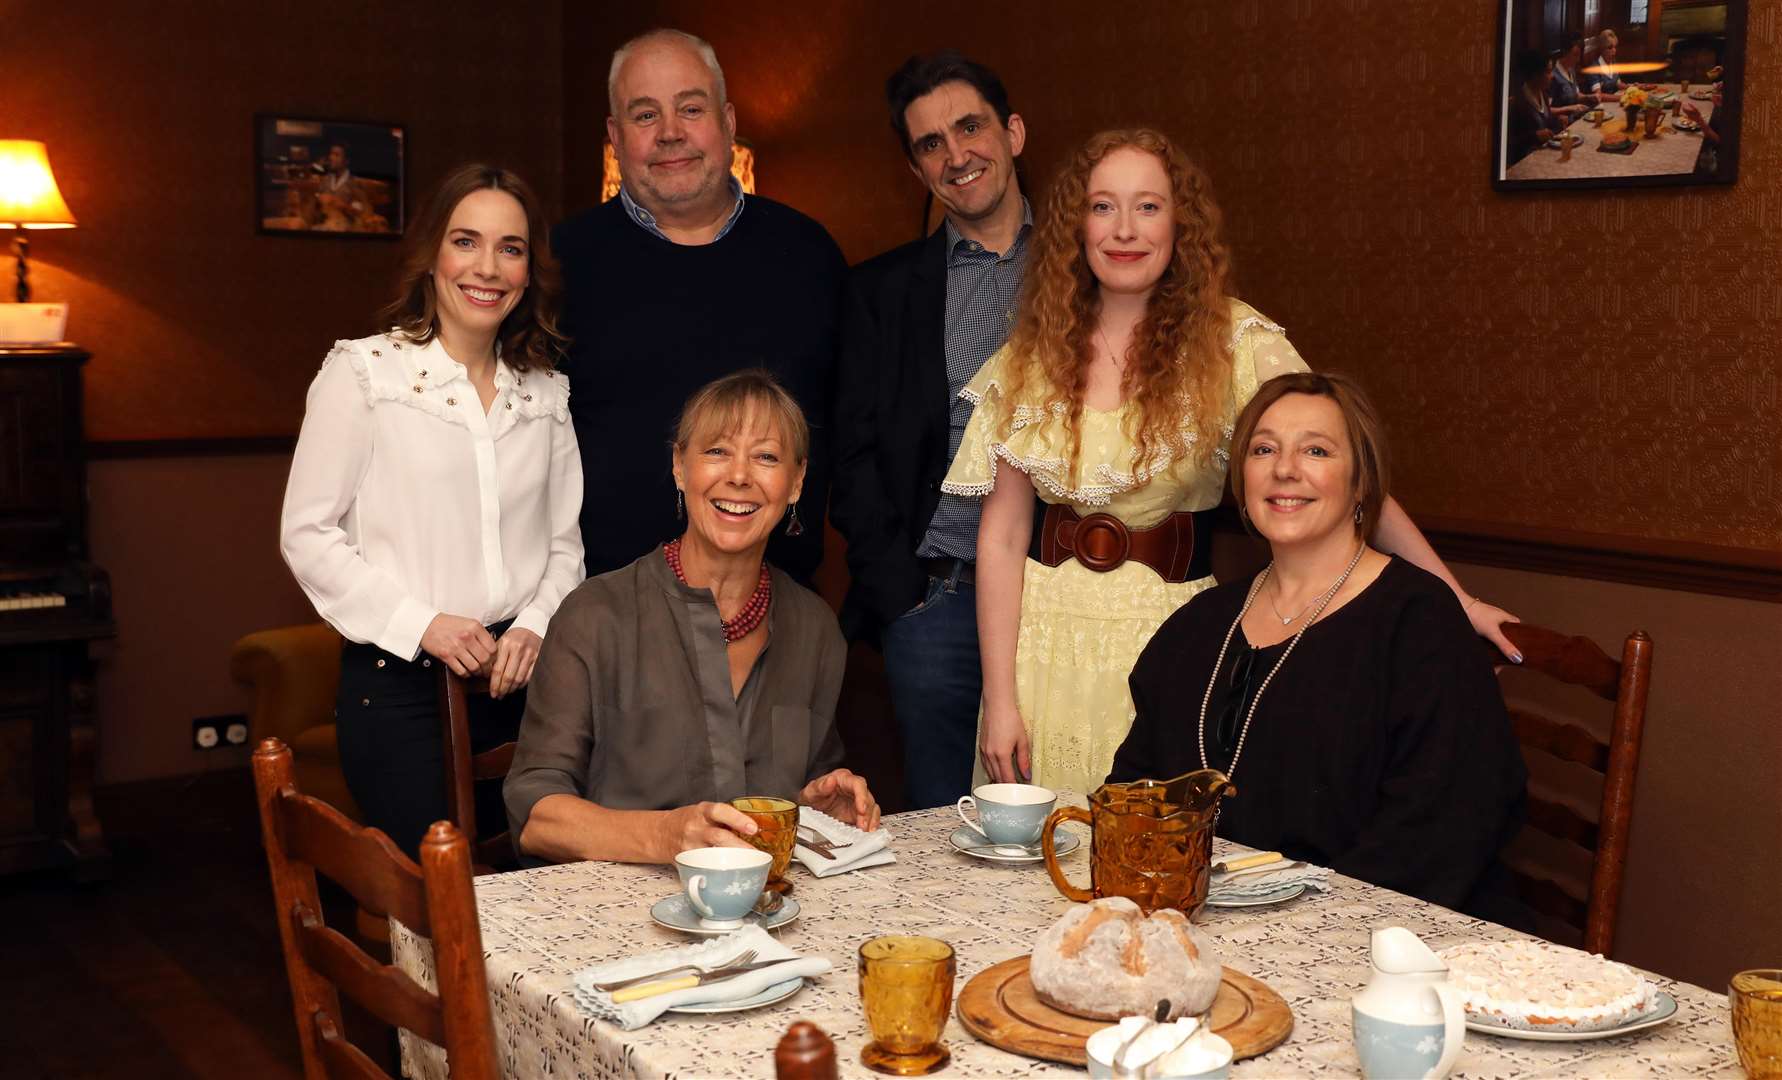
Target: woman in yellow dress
x: 1113, y: 402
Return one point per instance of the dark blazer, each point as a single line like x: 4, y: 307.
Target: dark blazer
x: 891, y: 410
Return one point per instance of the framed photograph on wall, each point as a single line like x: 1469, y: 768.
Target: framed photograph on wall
x: 1618, y: 93
x: 329, y: 177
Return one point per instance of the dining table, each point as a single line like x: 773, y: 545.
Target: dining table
x: 1672, y: 150
x: 540, y: 926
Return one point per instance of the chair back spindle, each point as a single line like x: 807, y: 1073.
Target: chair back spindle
x: 463, y: 769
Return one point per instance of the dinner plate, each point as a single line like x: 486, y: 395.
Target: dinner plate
x: 1683, y: 123
x: 1702, y: 95
x: 779, y: 991
x: 1286, y: 892
x: 967, y: 841
x: 676, y: 913
x: 1664, y: 1006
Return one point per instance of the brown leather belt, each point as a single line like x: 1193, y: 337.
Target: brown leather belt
x: 1102, y: 542
x: 960, y: 570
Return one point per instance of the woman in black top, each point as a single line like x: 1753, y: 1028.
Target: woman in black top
x: 1343, y: 690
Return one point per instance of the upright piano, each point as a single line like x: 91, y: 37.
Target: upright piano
x: 54, y: 604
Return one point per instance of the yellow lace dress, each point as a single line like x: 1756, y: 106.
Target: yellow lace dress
x: 1081, y: 631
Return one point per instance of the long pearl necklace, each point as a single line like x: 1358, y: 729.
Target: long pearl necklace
x: 1219, y: 664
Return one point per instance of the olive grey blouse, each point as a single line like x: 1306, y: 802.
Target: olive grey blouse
x: 631, y: 706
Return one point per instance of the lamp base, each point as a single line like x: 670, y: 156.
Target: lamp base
x: 33, y: 324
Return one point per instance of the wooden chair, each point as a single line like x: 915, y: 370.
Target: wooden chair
x: 1580, y: 662
x: 303, y: 835
x: 463, y: 769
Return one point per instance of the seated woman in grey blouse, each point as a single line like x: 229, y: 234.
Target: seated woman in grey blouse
x: 695, y: 675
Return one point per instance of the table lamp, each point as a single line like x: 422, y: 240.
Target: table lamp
x: 29, y: 199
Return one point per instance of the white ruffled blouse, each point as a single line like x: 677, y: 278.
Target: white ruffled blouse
x: 407, y: 500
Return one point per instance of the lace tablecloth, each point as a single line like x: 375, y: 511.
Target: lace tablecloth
x: 540, y: 926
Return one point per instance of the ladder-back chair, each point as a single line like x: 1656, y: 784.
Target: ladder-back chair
x: 1580, y: 662
x: 304, y: 835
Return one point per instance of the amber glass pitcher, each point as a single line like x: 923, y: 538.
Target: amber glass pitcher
x: 1151, y: 841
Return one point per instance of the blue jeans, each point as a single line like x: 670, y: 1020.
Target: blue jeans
x: 931, y: 663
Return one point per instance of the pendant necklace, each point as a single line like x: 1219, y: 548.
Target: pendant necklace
x: 1219, y: 664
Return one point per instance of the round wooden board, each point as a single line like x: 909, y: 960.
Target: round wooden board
x: 1000, y: 1007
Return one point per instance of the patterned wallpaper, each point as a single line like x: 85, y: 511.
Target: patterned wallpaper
x: 1602, y: 362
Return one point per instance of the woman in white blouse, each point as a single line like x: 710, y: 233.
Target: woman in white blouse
x: 431, y: 514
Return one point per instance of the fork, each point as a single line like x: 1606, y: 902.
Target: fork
x: 619, y: 984
x: 817, y: 842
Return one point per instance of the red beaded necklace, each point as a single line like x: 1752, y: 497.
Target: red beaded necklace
x: 752, y: 613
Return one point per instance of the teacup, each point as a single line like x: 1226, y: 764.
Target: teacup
x: 722, y: 882
x: 1008, y: 813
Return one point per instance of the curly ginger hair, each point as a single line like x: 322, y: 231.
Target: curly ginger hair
x: 1175, y: 373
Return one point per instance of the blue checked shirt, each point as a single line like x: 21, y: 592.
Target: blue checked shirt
x: 983, y: 289
x: 647, y: 220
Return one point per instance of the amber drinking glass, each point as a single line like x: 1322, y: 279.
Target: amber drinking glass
x: 778, y: 835
x: 906, y: 987
x: 1756, y: 999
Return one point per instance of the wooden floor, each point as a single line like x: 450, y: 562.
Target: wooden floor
x: 171, y: 968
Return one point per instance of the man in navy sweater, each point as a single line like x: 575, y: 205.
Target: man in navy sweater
x: 679, y: 280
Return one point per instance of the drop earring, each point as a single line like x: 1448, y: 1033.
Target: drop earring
x: 793, y: 526
x: 680, y: 506
x: 1357, y: 513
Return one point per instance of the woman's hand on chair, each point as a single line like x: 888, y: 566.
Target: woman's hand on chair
x: 1004, y: 747
x: 459, y: 643
x: 515, y: 654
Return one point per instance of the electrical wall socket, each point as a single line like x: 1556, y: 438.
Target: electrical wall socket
x: 210, y: 732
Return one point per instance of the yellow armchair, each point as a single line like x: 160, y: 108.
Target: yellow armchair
x: 294, y: 673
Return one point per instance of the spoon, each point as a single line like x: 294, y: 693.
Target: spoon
x: 1119, y: 1060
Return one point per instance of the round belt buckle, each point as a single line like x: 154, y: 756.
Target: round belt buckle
x: 1102, y: 542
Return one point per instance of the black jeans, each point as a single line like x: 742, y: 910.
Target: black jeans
x: 391, y: 749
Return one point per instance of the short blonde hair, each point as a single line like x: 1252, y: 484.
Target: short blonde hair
x: 1606, y: 37
x: 1367, y: 436
x: 725, y: 404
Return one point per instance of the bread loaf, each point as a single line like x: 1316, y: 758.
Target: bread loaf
x: 1106, y: 959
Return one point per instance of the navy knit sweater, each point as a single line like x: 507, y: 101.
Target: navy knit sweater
x: 653, y: 321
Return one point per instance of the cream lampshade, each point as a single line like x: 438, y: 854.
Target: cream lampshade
x: 29, y: 199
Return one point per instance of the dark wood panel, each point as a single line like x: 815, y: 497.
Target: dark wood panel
x: 234, y: 446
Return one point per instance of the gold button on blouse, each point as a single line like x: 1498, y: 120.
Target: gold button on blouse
x: 451, y: 401
x: 380, y: 663
x: 417, y: 388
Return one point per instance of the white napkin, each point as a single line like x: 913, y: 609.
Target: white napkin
x: 715, y: 952
x: 1259, y: 881
x: 854, y: 850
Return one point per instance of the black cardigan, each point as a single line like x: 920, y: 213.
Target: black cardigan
x: 1381, y: 750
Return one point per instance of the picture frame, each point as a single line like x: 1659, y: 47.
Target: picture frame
x: 329, y: 178
x: 1658, y: 104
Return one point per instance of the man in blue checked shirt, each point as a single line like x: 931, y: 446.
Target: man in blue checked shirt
x: 918, y: 323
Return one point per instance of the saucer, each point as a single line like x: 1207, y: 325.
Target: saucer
x: 777, y: 992
x: 1664, y: 1006
x: 676, y: 913
x: 1274, y: 896
x: 966, y: 841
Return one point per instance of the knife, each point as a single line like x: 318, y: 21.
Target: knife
x: 669, y: 986
x: 1255, y: 858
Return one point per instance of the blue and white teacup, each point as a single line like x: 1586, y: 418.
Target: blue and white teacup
x: 722, y: 883
x: 1008, y: 813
